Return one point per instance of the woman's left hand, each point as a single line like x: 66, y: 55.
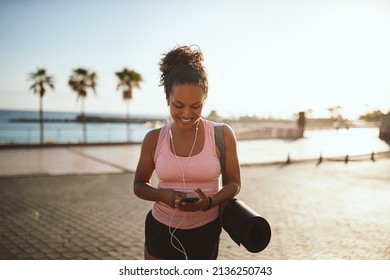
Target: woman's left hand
x: 199, y: 205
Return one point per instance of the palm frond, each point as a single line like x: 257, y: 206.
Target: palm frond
x: 41, y: 81
x: 127, y: 80
x: 81, y: 80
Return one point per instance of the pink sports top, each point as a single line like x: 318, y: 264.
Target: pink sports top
x: 202, y: 171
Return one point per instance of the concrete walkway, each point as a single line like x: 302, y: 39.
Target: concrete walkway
x: 330, y: 211
x: 65, y: 160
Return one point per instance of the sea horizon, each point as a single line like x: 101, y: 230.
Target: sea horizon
x: 13, y: 113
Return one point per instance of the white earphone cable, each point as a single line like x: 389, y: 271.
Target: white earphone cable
x: 183, y: 169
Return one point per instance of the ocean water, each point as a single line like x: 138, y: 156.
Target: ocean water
x: 67, y: 131
x: 328, y: 143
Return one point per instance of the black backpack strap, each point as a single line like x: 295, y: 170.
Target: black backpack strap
x: 219, y: 142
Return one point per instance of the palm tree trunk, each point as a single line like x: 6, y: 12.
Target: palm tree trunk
x: 84, y: 120
x: 41, y: 119
x: 127, y: 121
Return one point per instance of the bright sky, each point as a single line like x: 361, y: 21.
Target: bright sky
x: 264, y: 57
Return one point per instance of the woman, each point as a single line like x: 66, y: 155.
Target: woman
x: 184, y: 155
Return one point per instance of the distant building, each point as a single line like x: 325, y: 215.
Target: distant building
x: 384, y: 130
x: 213, y: 116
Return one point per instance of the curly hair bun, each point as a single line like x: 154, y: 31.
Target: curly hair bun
x: 183, y: 55
x: 183, y: 65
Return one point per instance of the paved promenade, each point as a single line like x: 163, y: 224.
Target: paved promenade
x: 88, y: 210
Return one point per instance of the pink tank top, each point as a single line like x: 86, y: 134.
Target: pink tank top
x: 202, y: 171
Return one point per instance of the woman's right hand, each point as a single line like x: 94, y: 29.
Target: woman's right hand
x: 169, y: 197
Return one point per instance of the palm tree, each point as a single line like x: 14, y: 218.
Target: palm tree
x: 81, y: 81
x: 335, y: 112
x: 40, y: 82
x: 128, y: 80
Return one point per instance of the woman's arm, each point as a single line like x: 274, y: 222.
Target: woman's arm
x: 144, y: 172
x: 232, y: 169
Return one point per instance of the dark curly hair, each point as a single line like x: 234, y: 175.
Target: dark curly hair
x: 183, y: 65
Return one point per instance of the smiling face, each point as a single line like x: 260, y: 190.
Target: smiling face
x: 186, y: 103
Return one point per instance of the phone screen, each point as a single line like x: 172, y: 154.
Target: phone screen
x: 190, y: 199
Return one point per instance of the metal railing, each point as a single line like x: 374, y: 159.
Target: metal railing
x: 72, y: 134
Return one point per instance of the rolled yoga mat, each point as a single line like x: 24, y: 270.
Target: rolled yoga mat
x: 245, y: 226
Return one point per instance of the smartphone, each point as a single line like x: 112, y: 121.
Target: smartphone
x: 189, y: 199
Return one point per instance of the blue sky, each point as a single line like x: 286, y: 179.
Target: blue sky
x: 264, y: 58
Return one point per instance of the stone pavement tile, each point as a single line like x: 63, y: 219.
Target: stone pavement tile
x: 331, y: 211
x: 50, y: 160
x: 53, y: 255
x: 125, y: 156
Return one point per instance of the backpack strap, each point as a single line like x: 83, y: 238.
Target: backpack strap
x: 219, y: 142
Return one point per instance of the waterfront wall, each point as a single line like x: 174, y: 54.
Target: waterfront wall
x: 270, y: 133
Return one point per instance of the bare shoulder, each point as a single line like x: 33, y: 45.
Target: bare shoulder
x: 148, y: 148
x: 152, y: 135
x: 228, y: 133
x: 151, y: 138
